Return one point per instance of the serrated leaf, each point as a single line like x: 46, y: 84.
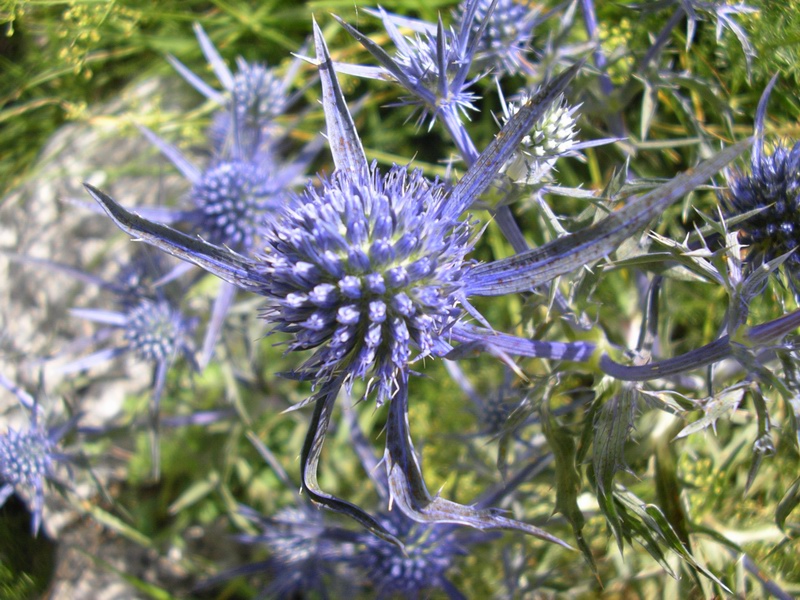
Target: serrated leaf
x: 722, y: 403
x: 673, y: 542
x: 611, y: 429
x: 568, y: 478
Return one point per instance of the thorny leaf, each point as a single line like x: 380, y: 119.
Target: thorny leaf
x: 715, y: 407
x: 611, y: 429
x: 568, y: 478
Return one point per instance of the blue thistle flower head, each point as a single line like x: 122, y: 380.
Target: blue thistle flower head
x: 429, y: 552
x: 362, y: 270
x: 28, y: 457
x: 232, y: 199
x: 773, y: 189
x: 433, y: 65
x: 307, y: 556
x: 155, y: 331
x: 773, y: 186
x: 505, y: 38
x: 255, y: 96
x: 422, y: 59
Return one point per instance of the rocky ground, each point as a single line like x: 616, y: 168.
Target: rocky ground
x: 39, y: 220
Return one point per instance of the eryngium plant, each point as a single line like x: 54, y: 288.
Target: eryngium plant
x: 369, y: 272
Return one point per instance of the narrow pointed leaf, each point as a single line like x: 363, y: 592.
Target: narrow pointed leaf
x: 221, y: 262
x: 483, y: 339
x: 522, y: 272
x: 348, y: 153
x: 176, y: 157
x: 409, y: 492
x: 213, y: 57
x: 309, y: 464
x: 197, y: 83
x: 380, y: 55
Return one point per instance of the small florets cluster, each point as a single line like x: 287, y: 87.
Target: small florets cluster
x: 257, y: 97
x: 552, y: 137
x: 257, y: 94
x: 363, y: 268
x: 773, y: 186
x: 429, y: 553
x: 154, y: 330
x: 506, y: 37
x: 231, y: 200
x: 26, y: 457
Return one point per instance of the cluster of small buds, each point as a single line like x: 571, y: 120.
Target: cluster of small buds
x: 154, y: 330
x: 26, y: 457
x: 551, y: 138
x: 232, y: 199
x: 362, y: 270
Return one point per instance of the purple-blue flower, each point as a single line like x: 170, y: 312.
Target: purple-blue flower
x: 369, y: 272
x: 415, y: 570
x: 255, y: 96
x: 505, y: 32
x: 771, y: 192
x: 29, y: 456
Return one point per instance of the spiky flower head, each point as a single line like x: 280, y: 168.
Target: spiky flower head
x: 430, y: 551
x: 25, y: 457
x: 552, y: 137
x: 420, y: 58
x: 362, y: 269
x: 28, y: 456
x: 506, y: 36
x: 155, y: 331
x: 232, y: 198
x: 257, y: 97
x: 307, y: 556
x: 773, y: 188
x: 257, y: 93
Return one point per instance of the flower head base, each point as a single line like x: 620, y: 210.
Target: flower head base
x: 231, y: 200
x: 552, y: 137
x: 362, y: 269
x: 774, y: 187
x: 429, y: 552
x: 506, y: 37
x: 155, y: 331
